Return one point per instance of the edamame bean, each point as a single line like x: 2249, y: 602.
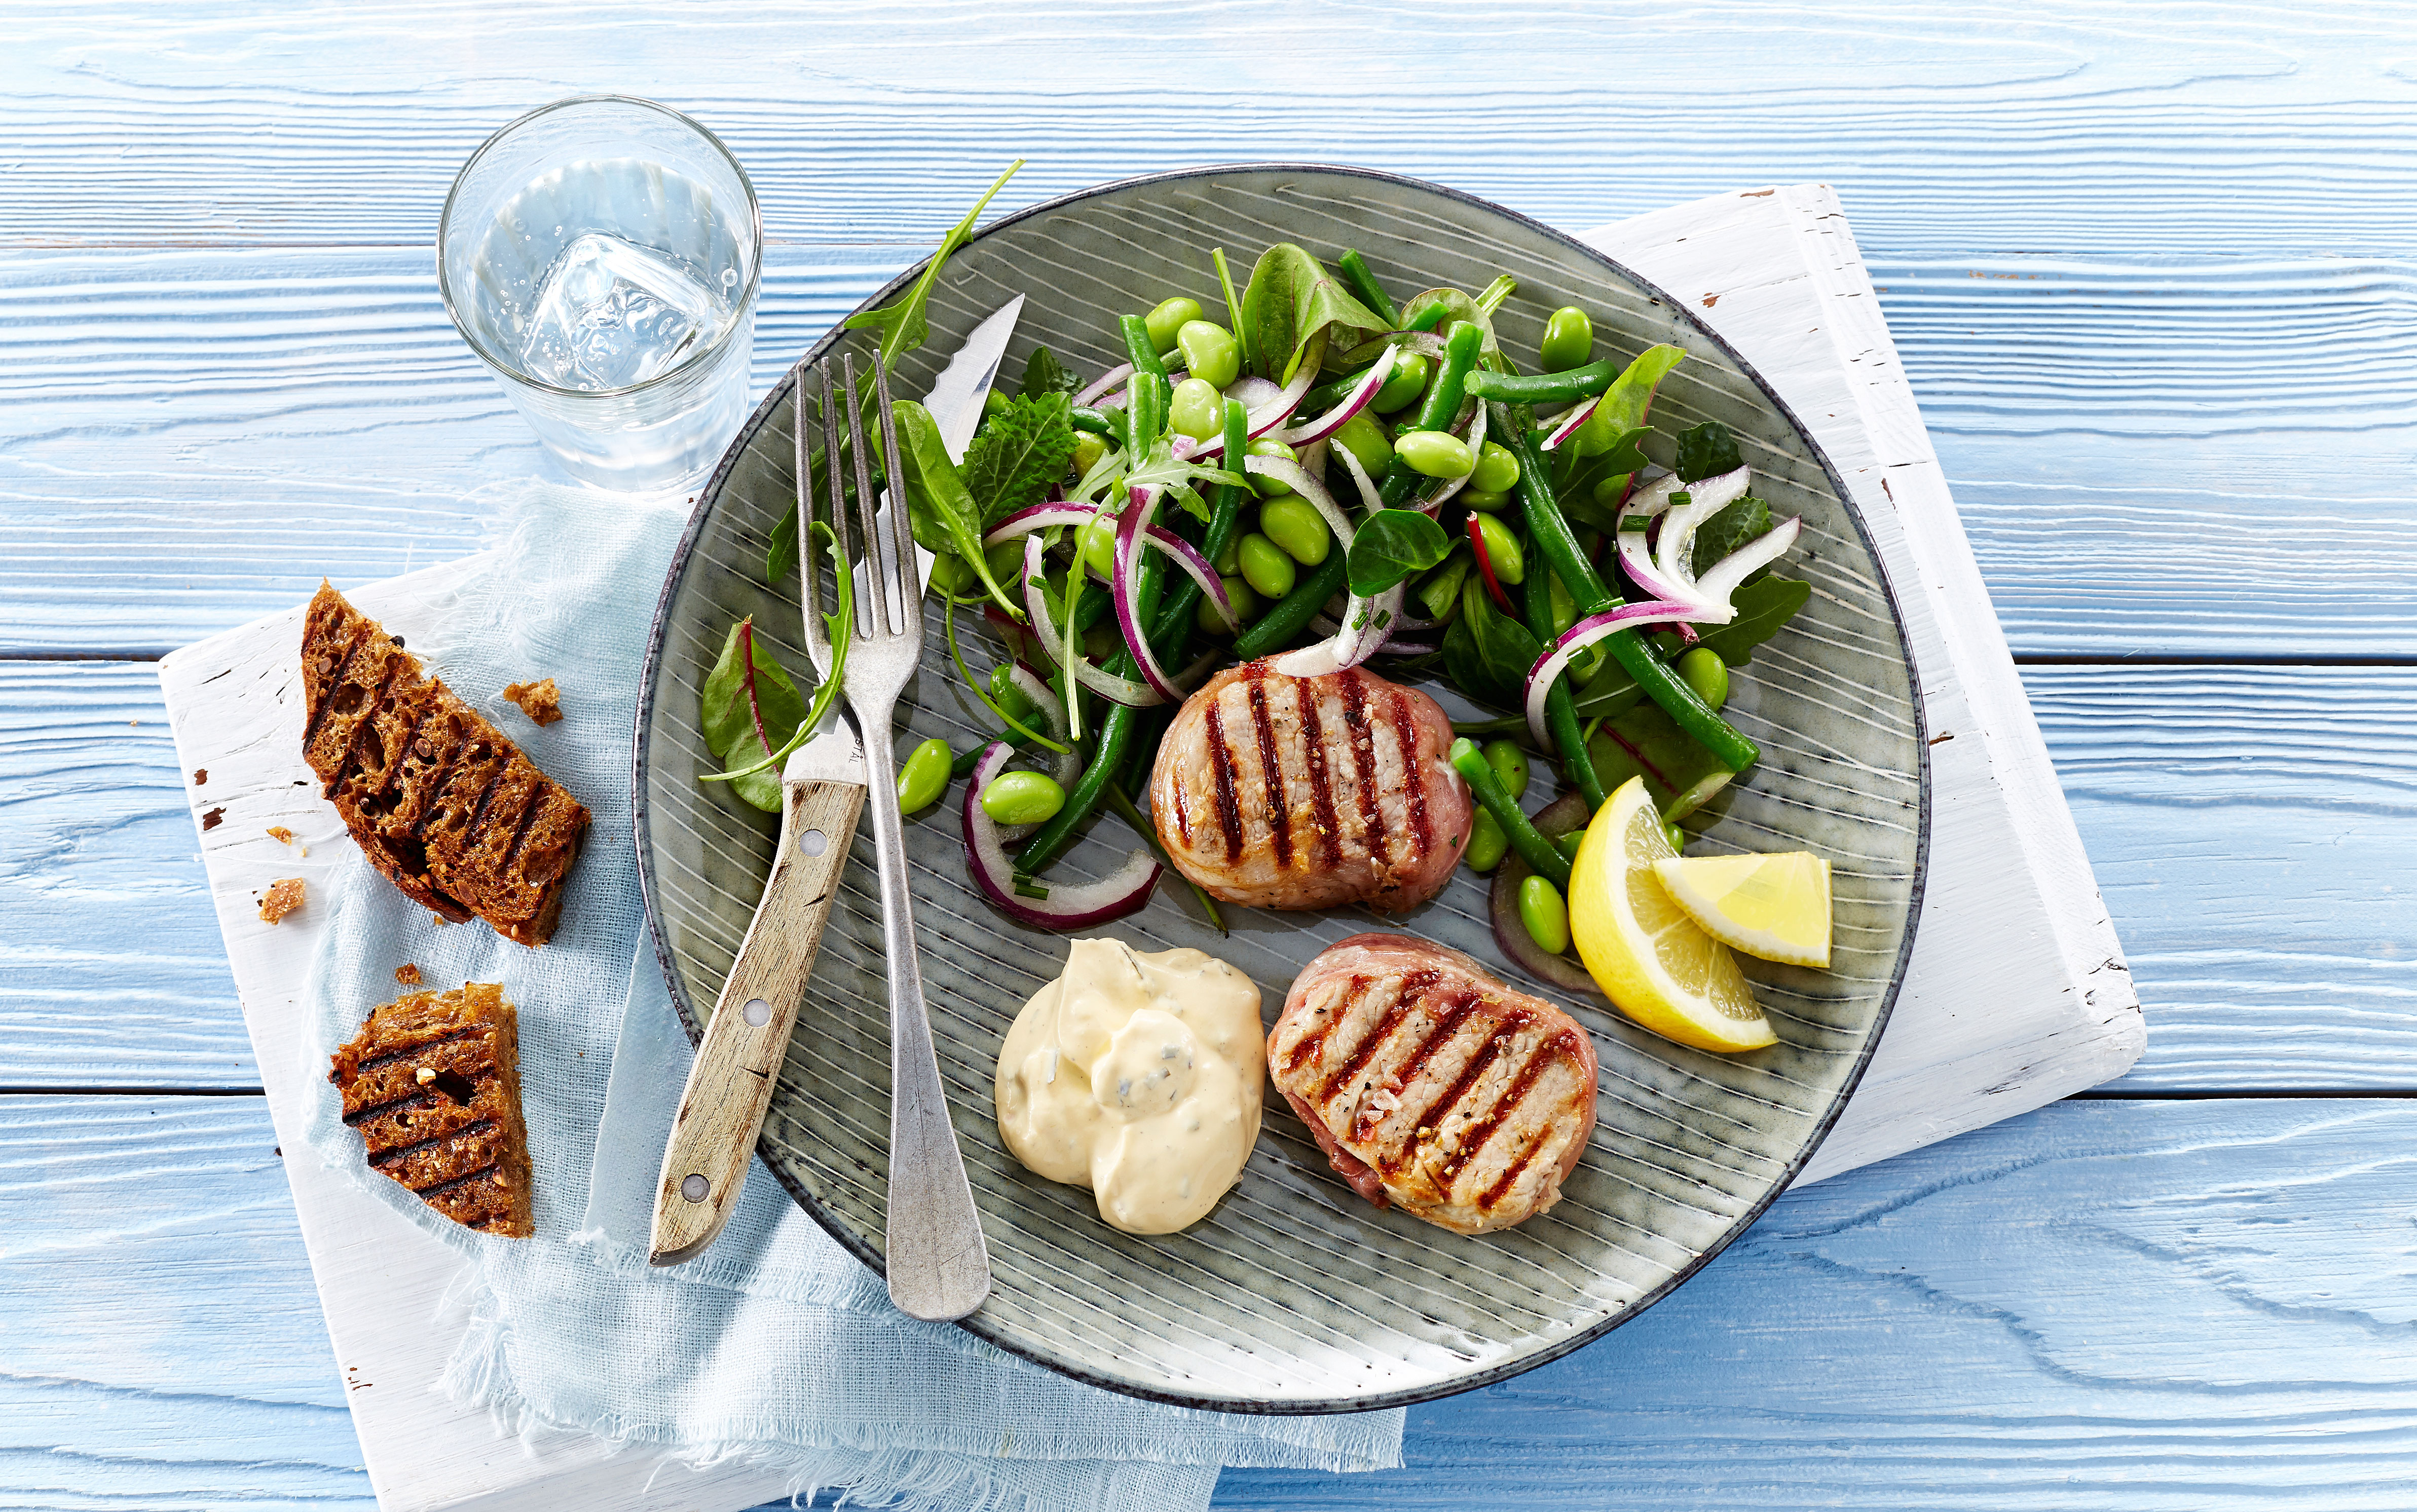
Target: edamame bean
x: 1006, y: 562
x: 1565, y: 609
x: 1014, y: 700
x: 1088, y: 450
x: 1170, y: 317
x: 1026, y: 798
x: 1229, y: 561
x: 1703, y: 669
x: 1197, y: 410
x: 1266, y: 569
x: 1097, y: 541
x: 1540, y: 908
x: 1238, y: 593
x: 1569, y: 339
x: 1588, y: 664
x: 1366, y: 441
x: 1297, y: 527
x: 1481, y: 501
x: 1509, y: 763
x: 951, y: 575
x: 1435, y: 453
x: 993, y: 402
x: 924, y: 775
x: 1676, y: 837
x: 1498, y: 469
x: 1501, y: 550
x: 1272, y: 488
x: 1486, y: 842
x: 1402, y: 386
x: 1211, y: 352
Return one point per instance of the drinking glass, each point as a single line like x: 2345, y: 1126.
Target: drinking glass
x: 600, y: 255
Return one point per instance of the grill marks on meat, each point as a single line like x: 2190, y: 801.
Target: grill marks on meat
x: 1431, y: 1085
x: 1327, y: 790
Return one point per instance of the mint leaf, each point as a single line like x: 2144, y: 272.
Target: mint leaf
x: 1706, y: 450
x: 1020, y: 457
x: 1391, y: 546
x: 1733, y: 527
x: 1764, y: 607
x: 1044, y: 374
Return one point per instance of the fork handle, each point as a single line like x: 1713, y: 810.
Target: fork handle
x: 939, y: 1268
x: 729, y: 1086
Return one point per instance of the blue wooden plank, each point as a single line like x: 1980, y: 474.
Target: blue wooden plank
x: 2188, y: 1305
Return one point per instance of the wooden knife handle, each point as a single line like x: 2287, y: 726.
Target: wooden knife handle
x: 729, y: 1087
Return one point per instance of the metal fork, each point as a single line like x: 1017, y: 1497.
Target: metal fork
x: 939, y: 1266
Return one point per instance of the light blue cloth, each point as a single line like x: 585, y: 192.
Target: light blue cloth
x: 775, y: 1347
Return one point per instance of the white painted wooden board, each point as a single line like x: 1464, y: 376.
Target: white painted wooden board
x: 1953, y: 1060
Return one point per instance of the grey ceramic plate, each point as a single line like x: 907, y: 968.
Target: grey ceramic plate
x: 1294, y: 1295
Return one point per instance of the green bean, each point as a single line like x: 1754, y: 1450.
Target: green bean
x: 1550, y: 535
x: 1511, y: 764
x: 1426, y: 313
x: 1435, y: 453
x: 1460, y: 346
x: 1544, y: 914
x: 1195, y: 409
x: 1438, y: 594
x: 1569, y: 339
x: 1486, y: 784
x: 1703, y: 669
x: 1498, y: 468
x: 1489, y: 298
x: 1188, y: 603
x: 1141, y: 347
x: 1096, y: 421
x: 1281, y: 623
x: 1560, y: 705
x: 1486, y: 842
x: 1546, y: 387
x: 1570, y: 843
x: 1023, y: 797
x: 1162, y: 324
x: 923, y: 776
x: 1365, y: 288
x: 1402, y: 386
x: 1211, y: 352
x: 1301, y: 531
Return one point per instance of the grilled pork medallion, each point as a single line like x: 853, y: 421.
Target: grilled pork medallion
x: 1280, y: 792
x: 1430, y: 1084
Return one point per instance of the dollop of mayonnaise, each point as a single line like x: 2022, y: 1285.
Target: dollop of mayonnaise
x: 1138, y: 1076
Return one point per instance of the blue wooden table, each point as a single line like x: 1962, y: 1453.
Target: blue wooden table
x: 2150, y: 268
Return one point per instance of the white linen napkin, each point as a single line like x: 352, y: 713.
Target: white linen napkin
x: 776, y: 1347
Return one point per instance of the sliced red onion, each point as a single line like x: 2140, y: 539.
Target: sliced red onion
x: 1058, y: 645
x: 1296, y: 476
x: 1674, y: 549
x: 1267, y: 413
x: 1253, y: 390
x: 1195, y: 566
x: 1362, y: 395
x: 1125, y: 589
x: 1717, y: 586
x: 1040, y: 516
x: 1366, y: 624
x: 1121, y: 892
x: 1368, y: 495
x: 1567, y: 424
x: 1556, y: 819
x: 1586, y: 632
x: 1106, y: 382
x: 1065, y: 766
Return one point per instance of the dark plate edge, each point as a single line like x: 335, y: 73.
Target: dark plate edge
x: 690, y: 1021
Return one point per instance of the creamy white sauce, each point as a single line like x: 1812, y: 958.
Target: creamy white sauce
x: 1140, y: 1077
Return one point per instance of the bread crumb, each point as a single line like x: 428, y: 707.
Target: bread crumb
x: 425, y: 1075
x: 407, y: 974
x: 285, y: 897
x: 539, y: 699
x: 201, y: 774
x: 281, y: 833
x: 213, y: 820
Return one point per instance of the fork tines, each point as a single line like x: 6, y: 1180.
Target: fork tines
x: 889, y: 600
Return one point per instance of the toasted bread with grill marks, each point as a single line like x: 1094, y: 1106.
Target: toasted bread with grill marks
x: 443, y: 806
x: 432, y: 1081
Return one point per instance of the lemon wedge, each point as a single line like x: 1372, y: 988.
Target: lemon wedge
x: 1652, y: 961
x: 1774, y: 907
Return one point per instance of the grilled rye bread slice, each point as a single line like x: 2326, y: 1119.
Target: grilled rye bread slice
x: 433, y: 1084
x: 443, y: 806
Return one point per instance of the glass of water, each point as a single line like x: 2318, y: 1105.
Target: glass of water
x: 601, y: 256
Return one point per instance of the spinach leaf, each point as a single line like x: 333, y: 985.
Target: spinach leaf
x: 1733, y: 527
x: 902, y: 326
x: 1706, y: 450
x: 1626, y: 402
x: 943, y: 512
x: 1392, y: 544
x: 1578, y: 479
x: 1457, y: 306
x: 1487, y: 654
x: 1021, y: 456
x: 1044, y: 374
x: 1763, y: 607
x: 1292, y: 298
x: 749, y: 705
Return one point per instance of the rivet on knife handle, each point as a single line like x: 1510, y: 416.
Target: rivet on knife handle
x: 729, y: 1087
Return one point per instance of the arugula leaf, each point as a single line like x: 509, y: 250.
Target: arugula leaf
x: 902, y: 326
x: 1020, y: 457
x: 1044, y: 374
x: 749, y: 703
x: 942, y: 511
x: 1763, y: 607
x: 1740, y: 523
x: 1706, y: 450
x: 1391, y: 545
x: 1487, y: 654
x: 1292, y: 298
